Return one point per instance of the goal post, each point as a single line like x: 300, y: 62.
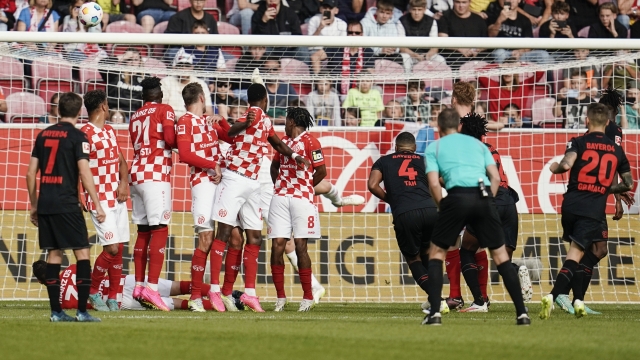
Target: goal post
x: 357, y: 258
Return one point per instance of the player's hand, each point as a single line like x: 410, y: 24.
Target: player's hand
x: 619, y: 211
x: 122, y: 192
x: 100, y: 214
x: 302, y: 161
x: 213, y: 119
x: 627, y: 198
x: 251, y: 116
x: 34, y: 216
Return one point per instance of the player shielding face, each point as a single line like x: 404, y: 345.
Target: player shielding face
x: 109, y: 169
x: 61, y: 154
x: 153, y: 136
x: 593, y: 160
x: 292, y: 210
x: 237, y: 199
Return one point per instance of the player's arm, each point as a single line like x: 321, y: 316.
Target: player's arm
x: 565, y: 164
x: 240, y: 126
x: 187, y: 156
x: 32, y: 172
x: 433, y: 178
x: 123, y: 187
x: 494, y: 178
x: 283, y: 149
x: 319, y: 173
x: 624, y: 186
x: 274, y: 170
x: 87, y: 182
x: 375, y: 178
x: 314, y: 152
x: 168, y: 129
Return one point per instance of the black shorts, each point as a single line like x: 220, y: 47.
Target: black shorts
x: 413, y: 230
x: 509, y: 220
x: 463, y: 207
x: 63, y: 231
x: 583, y: 230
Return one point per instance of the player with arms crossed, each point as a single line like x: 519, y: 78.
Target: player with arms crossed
x: 237, y: 198
x: 152, y: 136
x: 61, y: 154
x: 412, y: 207
x: 292, y: 210
x: 109, y: 169
x: 593, y: 160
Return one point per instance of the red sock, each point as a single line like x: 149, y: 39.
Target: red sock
x: 207, y: 304
x: 483, y: 271
x: 198, y: 264
x: 156, y: 253
x: 231, y: 268
x: 305, y: 280
x: 100, y: 268
x: 217, y: 250
x: 185, y: 287
x: 277, y: 272
x: 115, y: 274
x: 250, y: 260
x: 452, y: 265
x: 140, y: 254
x: 204, y: 290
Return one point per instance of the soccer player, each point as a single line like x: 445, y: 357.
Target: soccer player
x: 198, y: 147
x: 593, y: 160
x: 109, y: 169
x: 465, y: 165
x: 292, y: 210
x: 237, y: 198
x: 61, y: 154
x: 153, y: 136
x: 412, y: 207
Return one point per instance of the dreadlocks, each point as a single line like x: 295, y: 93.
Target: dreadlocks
x: 474, y: 125
x: 300, y: 116
x: 151, y: 89
x: 613, y: 99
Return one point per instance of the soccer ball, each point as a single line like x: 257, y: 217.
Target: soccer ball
x: 90, y: 14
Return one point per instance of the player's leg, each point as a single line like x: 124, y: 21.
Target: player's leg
x: 452, y: 265
x: 305, y: 223
x: 290, y: 252
x: 115, y: 271
x: 277, y: 270
x: 470, y: 271
x: 591, y: 258
x: 326, y: 189
x: 510, y: 225
x: 141, y: 247
x: 279, y: 230
x: 108, y: 236
x: 305, y: 272
x: 232, y: 264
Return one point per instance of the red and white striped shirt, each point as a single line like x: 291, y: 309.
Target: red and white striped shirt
x: 104, y: 160
x: 248, y: 147
x: 294, y: 180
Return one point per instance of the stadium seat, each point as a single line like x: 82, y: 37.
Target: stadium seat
x: 119, y: 49
x: 392, y: 90
x: 470, y: 67
x: 90, y: 78
x: 584, y: 32
x: 215, y: 12
x: 154, y: 67
x: 25, y: 107
x: 11, y: 75
x: 542, y: 113
x: 445, y: 75
x: 304, y: 28
x: 231, y: 64
x: 124, y: 27
x: 370, y: 4
x: 158, y: 50
x: 52, y: 75
x: 160, y: 27
x: 293, y: 67
x: 536, y: 31
x: 387, y: 67
x: 228, y: 29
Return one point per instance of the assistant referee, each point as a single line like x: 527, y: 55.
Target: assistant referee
x: 467, y: 168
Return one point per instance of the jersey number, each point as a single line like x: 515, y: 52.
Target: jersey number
x: 311, y: 222
x: 53, y: 144
x: 405, y: 170
x: 604, y: 178
x: 142, y: 127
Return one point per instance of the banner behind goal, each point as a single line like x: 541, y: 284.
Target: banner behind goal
x: 534, y: 108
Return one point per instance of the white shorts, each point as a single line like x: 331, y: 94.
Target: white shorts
x: 151, y: 203
x: 293, y: 215
x: 128, y: 303
x: 237, y: 202
x: 115, y: 228
x: 266, y: 193
x: 202, y: 196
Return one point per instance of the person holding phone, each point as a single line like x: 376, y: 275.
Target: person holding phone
x: 629, y: 117
x: 274, y: 18
x: 560, y: 26
x: 326, y: 23
x: 573, y: 102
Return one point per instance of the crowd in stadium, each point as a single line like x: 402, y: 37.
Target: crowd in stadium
x: 542, y: 99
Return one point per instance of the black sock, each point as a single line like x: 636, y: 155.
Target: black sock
x: 588, y: 262
x: 470, y: 273
x: 511, y: 282
x: 516, y: 267
x: 52, y: 280
x: 435, y: 284
x: 83, y: 282
x: 419, y: 273
x: 563, y: 280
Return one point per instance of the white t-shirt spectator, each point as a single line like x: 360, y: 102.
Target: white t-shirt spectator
x: 172, y: 93
x: 337, y: 28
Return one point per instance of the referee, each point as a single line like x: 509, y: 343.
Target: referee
x: 467, y: 168
x: 61, y: 154
x: 413, y: 210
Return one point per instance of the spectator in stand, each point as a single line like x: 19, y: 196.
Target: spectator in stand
x: 183, y: 23
x: 635, y: 30
x: 205, y: 58
x: 330, y: 25
x: 241, y: 13
x: 352, y: 10
x: 368, y: 100
x: 436, y: 109
x: 352, y: 116
x: 560, y: 25
x: 506, y: 21
x: 172, y: 85
x: 280, y: 94
x: 71, y: 23
x: 380, y: 21
x: 124, y: 92
x: 509, y: 90
x: 272, y: 18
x: 39, y: 17
x: 111, y: 12
x: 416, y: 107
x: 592, y: 72
x: 237, y: 108
x: 392, y: 111
x: 511, y: 116
x: 608, y: 27
x: 222, y: 96
x: 51, y: 117
x: 417, y: 23
x: 152, y: 12
x: 481, y: 108
x: 620, y: 73
x: 627, y: 10
x: 251, y: 59
x: 323, y: 104
x: 304, y: 9
x: 461, y: 22
x: 629, y: 117
x: 583, y: 12
x: 572, y: 103
x: 7, y: 20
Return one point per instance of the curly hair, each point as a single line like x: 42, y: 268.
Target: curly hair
x: 464, y: 92
x: 150, y: 83
x: 612, y: 98
x: 300, y: 117
x: 474, y: 125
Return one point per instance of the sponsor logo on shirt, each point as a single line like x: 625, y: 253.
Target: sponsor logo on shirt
x: 182, y: 129
x: 618, y: 140
x: 86, y: 148
x: 316, y: 155
x: 170, y: 115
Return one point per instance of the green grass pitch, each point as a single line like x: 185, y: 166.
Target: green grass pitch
x: 330, y: 331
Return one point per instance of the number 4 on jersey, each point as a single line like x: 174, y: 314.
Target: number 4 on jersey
x: 409, y: 172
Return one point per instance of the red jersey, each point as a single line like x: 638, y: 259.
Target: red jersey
x: 500, y: 97
x: 69, y: 290
x: 152, y: 155
x: 294, y: 180
x: 248, y: 147
x: 104, y: 160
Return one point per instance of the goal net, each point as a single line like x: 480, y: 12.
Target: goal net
x: 535, y: 100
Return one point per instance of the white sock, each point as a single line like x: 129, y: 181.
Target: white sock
x: 293, y: 259
x: 314, y: 281
x: 250, y: 292
x: 153, y: 287
x: 333, y: 195
x: 215, y: 287
x: 139, y: 283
